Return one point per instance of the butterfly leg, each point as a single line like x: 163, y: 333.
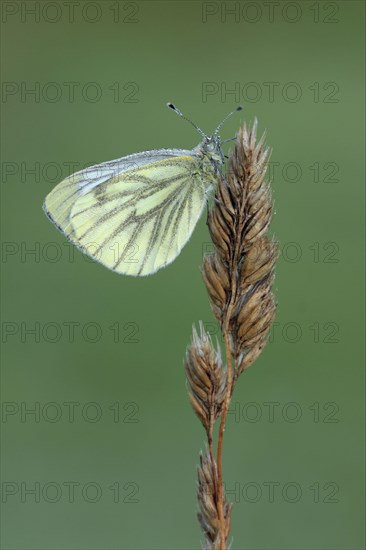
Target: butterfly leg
x: 213, y: 197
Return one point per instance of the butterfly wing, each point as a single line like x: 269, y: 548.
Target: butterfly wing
x: 60, y: 200
x: 138, y: 220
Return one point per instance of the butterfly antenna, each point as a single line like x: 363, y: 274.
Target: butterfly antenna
x: 230, y: 139
x: 239, y: 108
x: 176, y: 110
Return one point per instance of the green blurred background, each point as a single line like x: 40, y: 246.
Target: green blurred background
x: 112, y: 449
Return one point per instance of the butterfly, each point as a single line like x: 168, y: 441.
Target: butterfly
x: 135, y: 214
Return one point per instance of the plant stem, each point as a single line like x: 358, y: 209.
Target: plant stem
x: 220, y: 490
x: 229, y: 386
x: 229, y: 383
x: 210, y: 447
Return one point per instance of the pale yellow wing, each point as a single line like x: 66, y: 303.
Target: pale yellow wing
x: 138, y: 221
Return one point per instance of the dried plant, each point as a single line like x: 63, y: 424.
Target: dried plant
x: 238, y: 276
x: 207, y: 501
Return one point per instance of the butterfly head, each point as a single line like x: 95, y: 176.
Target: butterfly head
x: 211, y: 145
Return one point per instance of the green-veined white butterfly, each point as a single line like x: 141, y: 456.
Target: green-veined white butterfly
x: 135, y: 214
